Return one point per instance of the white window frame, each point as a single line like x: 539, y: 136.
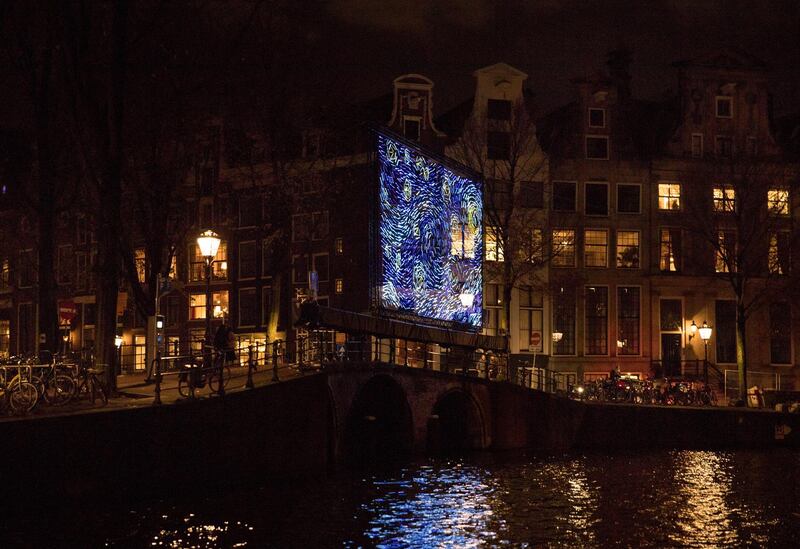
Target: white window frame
x: 724, y: 98
x: 586, y: 323
x: 239, y: 260
x: 590, y: 117
x: 605, y: 256
x: 239, y: 315
x: 669, y: 197
x: 691, y: 146
x: 638, y: 247
x: 642, y: 297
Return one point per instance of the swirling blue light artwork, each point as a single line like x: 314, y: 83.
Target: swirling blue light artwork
x: 431, y: 237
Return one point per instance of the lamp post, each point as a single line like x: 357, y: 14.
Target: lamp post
x: 118, y: 345
x: 705, y: 335
x: 208, y: 243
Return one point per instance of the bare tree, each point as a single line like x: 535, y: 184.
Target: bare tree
x: 742, y: 217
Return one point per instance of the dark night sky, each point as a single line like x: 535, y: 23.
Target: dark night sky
x: 553, y: 41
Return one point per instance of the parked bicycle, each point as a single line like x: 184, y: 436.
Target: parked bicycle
x: 193, y: 376
x: 89, y: 385
x: 17, y: 394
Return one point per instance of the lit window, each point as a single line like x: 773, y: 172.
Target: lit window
x: 563, y: 248
x: 494, y: 246
x: 492, y: 308
x: 219, y: 305
x: 697, y: 145
x: 530, y: 318
x: 669, y: 196
x: 670, y: 250
x: 724, y: 199
x: 462, y: 238
x: 724, y: 107
x: 778, y: 256
x: 725, y: 252
x: 339, y: 245
x: 597, y: 118
x: 595, y: 248
x: 778, y: 201
x: 141, y: 264
x: 219, y: 268
x: 596, y: 147
x: 5, y: 274
x: 628, y: 249
x: 339, y: 286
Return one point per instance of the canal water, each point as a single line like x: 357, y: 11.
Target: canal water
x: 653, y: 499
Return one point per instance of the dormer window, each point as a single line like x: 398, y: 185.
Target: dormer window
x: 411, y: 127
x: 724, y: 107
x: 597, y: 118
x: 498, y: 109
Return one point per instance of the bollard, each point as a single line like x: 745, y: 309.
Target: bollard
x: 249, y: 383
x: 275, y: 361
x: 157, y: 390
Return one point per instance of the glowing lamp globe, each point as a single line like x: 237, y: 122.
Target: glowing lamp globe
x: 557, y: 336
x: 208, y: 242
x: 118, y: 341
x: 705, y: 331
x: 467, y: 299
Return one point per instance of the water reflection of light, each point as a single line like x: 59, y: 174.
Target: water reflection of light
x: 435, y: 508
x: 704, y: 481
x: 192, y: 533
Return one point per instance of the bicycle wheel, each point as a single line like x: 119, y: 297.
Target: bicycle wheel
x: 59, y: 391
x: 213, y: 378
x: 23, y: 397
x: 183, y: 384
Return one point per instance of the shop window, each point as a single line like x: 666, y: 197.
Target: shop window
x: 629, y: 198
x: 139, y: 352
x: 628, y: 249
x: 564, y: 321
x: 780, y: 326
x: 563, y: 248
x: 596, y: 202
x: 669, y: 196
x: 595, y: 248
x: 670, y: 250
x: 564, y: 196
x: 628, y: 320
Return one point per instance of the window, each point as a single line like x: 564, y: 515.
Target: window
x: 197, y: 305
x: 778, y: 201
x: 498, y: 109
x: 492, y: 309
x: 411, y: 127
x: 172, y: 313
x: 725, y: 252
x: 530, y: 317
x: 596, y: 320
x: 266, y: 304
x: 778, y: 258
x: 595, y: 248
x: 532, y: 194
x: 628, y: 319
x: 724, y: 146
x: 724, y: 199
x: 780, y: 329
x: 670, y: 251
x: 597, y: 118
x: 141, y: 264
x: 5, y: 274
x: 532, y: 248
x: 628, y: 249
x: 5, y: 338
x: 81, y: 230
x: 596, y: 147
x: 64, y: 269
x: 563, y: 248
x: 300, y: 227
x: 248, y: 259
x: 669, y: 196
x: 596, y: 199
x: 629, y: 198
x: 249, y: 211
x: 462, y: 237
x: 139, y: 352
x: 319, y: 225
x: 300, y: 269
x: 219, y: 267
x: 697, y: 145
x: 724, y: 107
x: 494, y: 246
x: 498, y: 145
x: 26, y: 269
x: 725, y: 330
x: 266, y: 248
x: 339, y: 245
x: 564, y: 196
x: 339, y: 285
x: 248, y: 307
x: 564, y: 320
x: 81, y: 271
x: 320, y: 263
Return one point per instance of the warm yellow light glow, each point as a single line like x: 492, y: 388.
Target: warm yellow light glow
x: 208, y: 242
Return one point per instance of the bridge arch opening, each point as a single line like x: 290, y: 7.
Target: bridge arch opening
x: 379, y: 425
x: 455, y: 425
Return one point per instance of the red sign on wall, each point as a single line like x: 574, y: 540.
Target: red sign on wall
x: 536, y: 341
x: 67, y: 311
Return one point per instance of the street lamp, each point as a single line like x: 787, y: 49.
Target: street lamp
x: 208, y: 243
x: 705, y: 335
x: 467, y: 299
x: 692, y: 330
x: 118, y: 345
x: 557, y: 336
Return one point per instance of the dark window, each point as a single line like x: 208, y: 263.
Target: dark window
x: 628, y: 199
x: 249, y: 211
x: 564, y: 196
x: 724, y: 107
x: 532, y: 194
x: 597, y: 199
x: 725, y: 319
x: 172, y: 316
x: 498, y: 145
x: 266, y: 303
x: 248, y: 307
x: 319, y: 225
x: 248, y: 259
x: 597, y: 148
x: 628, y: 318
x: 596, y: 320
x: 671, y: 315
x: 321, y: 266
x: 597, y: 118
x: 411, y: 128
x: 724, y: 147
x: 564, y: 321
x: 300, y: 269
x: 499, y: 109
x: 780, y: 325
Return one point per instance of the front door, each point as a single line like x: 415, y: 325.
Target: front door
x: 671, y: 354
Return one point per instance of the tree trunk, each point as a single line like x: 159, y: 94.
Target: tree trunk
x: 508, y: 286
x: 741, y: 351
x: 46, y: 212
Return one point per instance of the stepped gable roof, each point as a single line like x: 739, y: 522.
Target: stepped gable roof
x: 500, y: 67
x: 729, y: 58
